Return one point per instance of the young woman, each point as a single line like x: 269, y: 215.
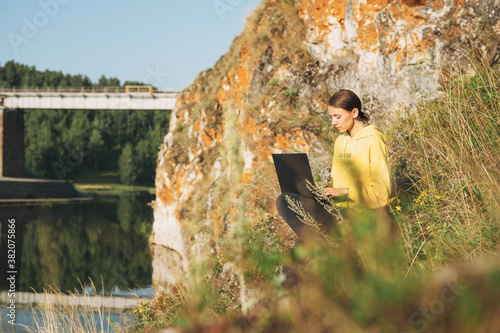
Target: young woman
x: 360, y: 170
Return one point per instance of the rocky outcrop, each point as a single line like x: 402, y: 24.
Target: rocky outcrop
x: 398, y: 49
x: 268, y: 94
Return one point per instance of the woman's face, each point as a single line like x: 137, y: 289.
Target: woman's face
x: 342, y: 120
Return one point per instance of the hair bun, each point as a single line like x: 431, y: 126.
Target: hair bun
x: 365, y: 118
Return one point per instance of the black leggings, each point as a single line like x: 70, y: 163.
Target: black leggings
x: 312, y: 206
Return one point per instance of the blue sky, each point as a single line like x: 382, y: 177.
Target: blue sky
x: 162, y: 42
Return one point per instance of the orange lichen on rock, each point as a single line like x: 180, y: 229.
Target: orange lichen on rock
x: 223, y: 92
x: 368, y: 32
x: 264, y: 148
x: 249, y: 126
x: 282, y: 142
x: 299, y: 140
x: 319, y: 14
x: 368, y: 36
x: 293, y: 139
x: 165, y: 195
x: 244, y: 74
x: 237, y: 81
x: 264, y: 130
x: 211, y: 133
x: 374, y: 33
x: 178, y: 184
x: 206, y: 140
x: 246, y: 176
x: 411, y: 16
x: 184, y: 99
x: 198, y: 96
x: 459, y: 3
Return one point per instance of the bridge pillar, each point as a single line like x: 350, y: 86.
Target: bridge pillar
x: 11, y: 142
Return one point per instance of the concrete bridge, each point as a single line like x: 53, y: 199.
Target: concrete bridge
x: 104, y: 99
x: 88, y: 302
x: 13, y: 102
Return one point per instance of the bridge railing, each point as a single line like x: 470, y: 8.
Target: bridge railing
x: 94, y: 302
x: 78, y: 90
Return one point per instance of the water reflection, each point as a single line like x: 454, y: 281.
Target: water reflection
x: 60, y: 245
x: 109, y: 322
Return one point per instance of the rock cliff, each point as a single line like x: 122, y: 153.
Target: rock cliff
x: 268, y: 94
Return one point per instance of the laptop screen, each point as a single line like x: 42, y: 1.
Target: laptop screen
x: 293, y: 171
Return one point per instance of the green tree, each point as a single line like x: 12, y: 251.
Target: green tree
x: 127, y: 165
x: 76, y: 81
x: 86, y: 83
x: 145, y: 162
x: 28, y: 79
x: 97, y: 142
x: 11, y: 76
x: 41, y: 149
x: 113, y: 82
x: 103, y: 82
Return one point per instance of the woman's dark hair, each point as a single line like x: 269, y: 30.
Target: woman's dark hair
x: 347, y: 100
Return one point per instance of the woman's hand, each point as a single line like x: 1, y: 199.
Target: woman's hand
x: 336, y: 192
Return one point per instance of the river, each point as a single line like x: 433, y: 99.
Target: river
x: 96, y: 247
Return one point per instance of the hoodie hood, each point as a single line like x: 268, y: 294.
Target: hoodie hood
x: 364, y: 133
x: 370, y: 130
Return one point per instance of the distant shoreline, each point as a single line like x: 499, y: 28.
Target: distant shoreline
x: 44, y: 201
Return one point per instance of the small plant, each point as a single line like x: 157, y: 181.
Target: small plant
x: 291, y: 92
x: 274, y: 82
x: 164, y: 311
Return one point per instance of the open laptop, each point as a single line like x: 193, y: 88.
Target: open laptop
x: 293, y: 172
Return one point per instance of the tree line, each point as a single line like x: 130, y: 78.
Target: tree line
x: 66, y: 143
x: 16, y: 75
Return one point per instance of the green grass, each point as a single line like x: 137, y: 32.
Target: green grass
x: 106, y: 182
x: 96, y: 177
x: 449, y: 150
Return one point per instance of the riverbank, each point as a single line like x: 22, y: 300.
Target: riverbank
x: 44, y: 201
x: 33, y: 191
x: 107, y: 183
x: 112, y: 189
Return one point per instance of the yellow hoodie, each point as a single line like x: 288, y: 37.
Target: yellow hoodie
x: 360, y: 164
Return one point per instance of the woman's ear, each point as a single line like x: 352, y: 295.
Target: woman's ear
x: 355, y: 113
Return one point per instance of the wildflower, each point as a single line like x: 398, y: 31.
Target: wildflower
x: 398, y: 208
